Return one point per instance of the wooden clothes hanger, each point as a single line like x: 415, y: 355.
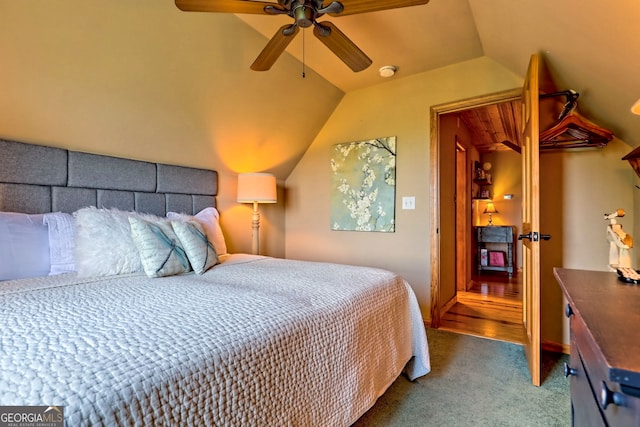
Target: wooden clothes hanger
x: 575, y: 131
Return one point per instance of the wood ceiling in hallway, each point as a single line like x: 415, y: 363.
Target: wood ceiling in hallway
x: 495, y: 127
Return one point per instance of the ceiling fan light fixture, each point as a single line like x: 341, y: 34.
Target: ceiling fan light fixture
x: 388, y: 70
x: 304, y: 15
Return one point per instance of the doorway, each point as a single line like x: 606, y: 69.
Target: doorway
x: 464, y: 299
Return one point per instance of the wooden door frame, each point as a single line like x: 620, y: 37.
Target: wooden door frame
x: 463, y: 225
x: 435, y: 112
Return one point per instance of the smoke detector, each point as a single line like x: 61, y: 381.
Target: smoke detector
x: 388, y: 70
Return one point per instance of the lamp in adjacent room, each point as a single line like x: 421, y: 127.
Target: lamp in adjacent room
x: 256, y: 188
x: 490, y: 209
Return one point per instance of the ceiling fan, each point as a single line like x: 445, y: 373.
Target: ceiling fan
x: 305, y: 14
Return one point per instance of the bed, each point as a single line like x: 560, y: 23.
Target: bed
x: 246, y: 340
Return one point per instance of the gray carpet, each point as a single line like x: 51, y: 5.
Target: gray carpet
x: 475, y: 382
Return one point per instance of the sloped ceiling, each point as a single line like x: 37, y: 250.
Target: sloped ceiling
x: 413, y: 39
x: 73, y: 69
x: 141, y: 79
x: 589, y: 46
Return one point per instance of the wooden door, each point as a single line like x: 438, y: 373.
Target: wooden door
x: 531, y: 218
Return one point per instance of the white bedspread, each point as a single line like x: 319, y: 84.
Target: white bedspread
x: 255, y: 341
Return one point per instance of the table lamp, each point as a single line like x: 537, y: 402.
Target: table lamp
x: 256, y: 188
x: 490, y: 209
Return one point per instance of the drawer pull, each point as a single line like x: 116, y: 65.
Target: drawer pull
x: 569, y: 370
x: 607, y: 396
x: 568, y: 311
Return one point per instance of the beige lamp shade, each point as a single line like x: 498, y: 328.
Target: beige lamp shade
x: 257, y: 187
x: 490, y: 208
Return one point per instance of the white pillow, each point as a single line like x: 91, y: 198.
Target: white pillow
x: 24, y: 246
x: 209, y: 219
x: 160, y: 250
x: 201, y: 253
x: 104, y: 245
x: 62, y: 236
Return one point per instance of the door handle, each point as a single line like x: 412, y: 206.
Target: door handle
x: 534, y: 236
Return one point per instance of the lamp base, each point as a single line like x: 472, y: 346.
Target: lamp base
x: 255, y: 230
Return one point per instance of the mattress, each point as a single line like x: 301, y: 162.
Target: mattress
x: 253, y: 341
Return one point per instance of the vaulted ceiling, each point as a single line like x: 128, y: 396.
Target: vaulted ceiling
x: 125, y: 76
x: 589, y: 46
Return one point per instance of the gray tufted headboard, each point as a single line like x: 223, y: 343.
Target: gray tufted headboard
x: 37, y: 179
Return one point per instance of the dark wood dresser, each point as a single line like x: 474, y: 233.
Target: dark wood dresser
x: 605, y: 347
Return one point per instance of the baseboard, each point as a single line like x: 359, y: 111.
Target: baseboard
x: 448, y: 305
x: 555, y: 347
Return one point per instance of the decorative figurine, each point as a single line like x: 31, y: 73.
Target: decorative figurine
x: 619, y: 241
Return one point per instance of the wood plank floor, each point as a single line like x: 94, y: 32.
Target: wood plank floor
x: 492, y: 308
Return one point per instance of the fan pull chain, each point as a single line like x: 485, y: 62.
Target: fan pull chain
x: 303, y: 31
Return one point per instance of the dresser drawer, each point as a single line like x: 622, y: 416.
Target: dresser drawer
x: 495, y: 234
x: 585, y: 410
x: 618, y: 408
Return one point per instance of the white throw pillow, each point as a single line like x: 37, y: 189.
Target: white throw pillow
x: 62, y: 242
x: 104, y: 245
x: 201, y: 253
x: 24, y: 246
x: 209, y: 218
x: 161, y: 252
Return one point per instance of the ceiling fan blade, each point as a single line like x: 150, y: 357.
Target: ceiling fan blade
x: 275, y: 47
x: 351, y: 7
x: 224, y: 6
x: 340, y: 44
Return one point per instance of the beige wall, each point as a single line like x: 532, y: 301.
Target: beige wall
x: 143, y: 80
x: 401, y: 108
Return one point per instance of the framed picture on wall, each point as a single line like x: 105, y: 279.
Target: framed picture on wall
x: 364, y: 185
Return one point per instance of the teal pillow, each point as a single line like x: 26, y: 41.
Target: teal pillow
x: 201, y: 253
x: 161, y: 253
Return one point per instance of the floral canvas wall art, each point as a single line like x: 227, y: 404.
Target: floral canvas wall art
x: 364, y: 185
